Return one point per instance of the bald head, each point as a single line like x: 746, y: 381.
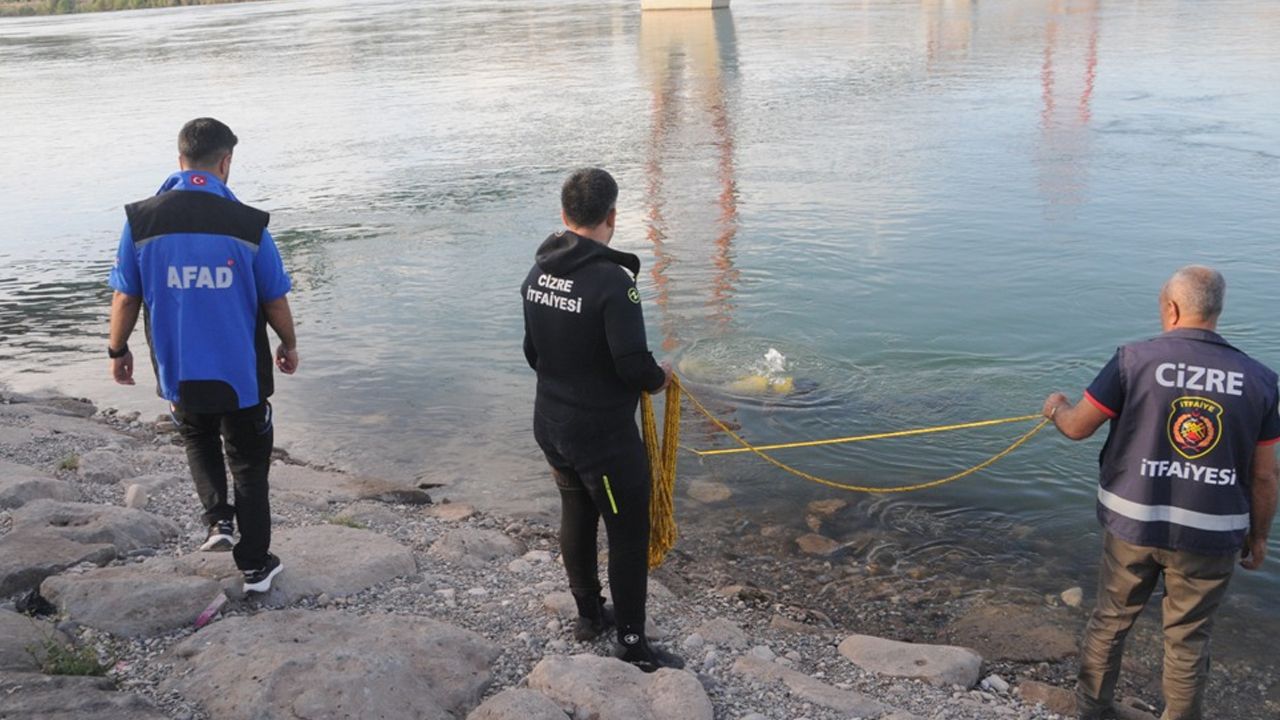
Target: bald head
x: 1193, y: 297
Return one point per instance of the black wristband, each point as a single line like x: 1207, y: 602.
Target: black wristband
x: 117, y: 354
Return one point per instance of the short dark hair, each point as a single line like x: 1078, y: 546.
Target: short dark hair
x: 204, y: 141
x: 588, y: 196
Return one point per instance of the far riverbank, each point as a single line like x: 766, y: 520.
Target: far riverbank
x: 30, y: 8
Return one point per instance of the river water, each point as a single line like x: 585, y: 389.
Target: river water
x: 937, y: 211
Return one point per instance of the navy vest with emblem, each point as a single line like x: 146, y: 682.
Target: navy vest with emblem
x: 1188, y: 413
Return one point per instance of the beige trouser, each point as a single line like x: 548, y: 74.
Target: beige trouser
x: 1194, y: 587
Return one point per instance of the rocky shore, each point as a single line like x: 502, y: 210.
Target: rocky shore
x: 397, y: 604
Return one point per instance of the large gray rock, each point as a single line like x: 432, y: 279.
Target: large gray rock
x: 1017, y: 633
x: 28, y: 557
x: 62, y: 697
x: 320, y: 489
x: 590, y: 687
x: 63, y: 405
x: 22, y: 641
x: 337, y: 560
x: 104, y: 466
x: 326, y: 664
x: 475, y: 547
x: 153, y: 482
x: 809, y: 689
x: 20, y: 485
x: 331, y: 559
x: 517, y: 704
x: 725, y: 633
x: 124, y: 528
x: 941, y: 665
x: 819, y: 545
x: 131, y: 600
x: 33, y: 423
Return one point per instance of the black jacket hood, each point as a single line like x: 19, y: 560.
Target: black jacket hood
x: 564, y: 252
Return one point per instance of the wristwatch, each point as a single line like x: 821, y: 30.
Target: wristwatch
x: 117, y: 354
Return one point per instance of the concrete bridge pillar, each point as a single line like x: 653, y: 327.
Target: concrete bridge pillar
x: 683, y: 4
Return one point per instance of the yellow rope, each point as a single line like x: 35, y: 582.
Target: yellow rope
x: 662, y: 460
x: 863, y: 438
x: 662, y: 468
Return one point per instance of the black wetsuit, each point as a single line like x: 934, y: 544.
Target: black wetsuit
x: 584, y: 335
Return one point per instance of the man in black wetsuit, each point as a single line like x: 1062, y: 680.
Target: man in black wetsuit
x: 584, y: 335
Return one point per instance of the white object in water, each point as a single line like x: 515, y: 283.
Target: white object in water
x: 775, y: 362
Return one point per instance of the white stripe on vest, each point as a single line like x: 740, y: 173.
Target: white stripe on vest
x: 1171, y: 514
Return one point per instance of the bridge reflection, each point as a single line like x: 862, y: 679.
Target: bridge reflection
x: 690, y: 61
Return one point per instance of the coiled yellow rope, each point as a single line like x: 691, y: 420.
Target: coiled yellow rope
x: 662, y: 467
x: 662, y: 460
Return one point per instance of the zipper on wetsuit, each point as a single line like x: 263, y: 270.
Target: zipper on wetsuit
x: 608, y: 490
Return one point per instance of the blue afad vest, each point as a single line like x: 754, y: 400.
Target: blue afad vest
x: 204, y: 264
x: 1188, y: 413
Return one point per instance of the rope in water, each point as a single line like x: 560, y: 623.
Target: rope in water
x: 662, y: 460
x: 863, y: 438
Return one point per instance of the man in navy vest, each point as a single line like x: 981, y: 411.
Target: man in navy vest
x: 211, y: 280
x: 1187, y: 484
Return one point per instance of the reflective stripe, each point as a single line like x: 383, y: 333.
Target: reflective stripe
x: 1171, y: 514
x: 608, y: 489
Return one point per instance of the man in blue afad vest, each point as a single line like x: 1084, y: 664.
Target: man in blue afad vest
x: 212, y: 280
x: 1187, y: 484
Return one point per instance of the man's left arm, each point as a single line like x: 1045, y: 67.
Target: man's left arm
x: 624, y: 332
x: 273, y: 288
x: 1262, y: 507
x: 280, y: 318
x: 1262, y: 489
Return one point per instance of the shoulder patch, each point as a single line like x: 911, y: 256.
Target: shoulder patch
x: 633, y: 294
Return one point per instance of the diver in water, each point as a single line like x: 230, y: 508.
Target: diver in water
x: 585, y: 338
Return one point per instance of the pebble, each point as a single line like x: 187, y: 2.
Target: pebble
x: 763, y: 653
x: 693, y: 642
x: 1073, y: 597
x: 995, y: 683
x: 136, y: 497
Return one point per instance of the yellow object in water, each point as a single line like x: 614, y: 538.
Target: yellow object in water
x: 750, y: 385
x: 761, y: 384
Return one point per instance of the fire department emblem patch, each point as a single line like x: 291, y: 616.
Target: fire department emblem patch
x: 1195, y: 426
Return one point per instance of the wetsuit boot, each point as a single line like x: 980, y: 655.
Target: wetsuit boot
x: 634, y: 648
x: 593, y: 617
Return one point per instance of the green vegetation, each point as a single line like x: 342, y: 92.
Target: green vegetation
x: 63, y: 7
x: 345, y: 521
x: 56, y: 658
x: 70, y: 462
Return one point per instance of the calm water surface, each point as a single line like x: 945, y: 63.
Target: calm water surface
x: 938, y: 211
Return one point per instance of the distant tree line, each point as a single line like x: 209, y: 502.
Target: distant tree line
x: 63, y: 7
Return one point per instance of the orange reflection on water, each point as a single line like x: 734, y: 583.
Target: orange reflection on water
x: 687, y: 56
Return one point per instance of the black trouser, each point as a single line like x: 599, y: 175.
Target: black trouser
x: 601, y: 469
x: 248, y: 436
